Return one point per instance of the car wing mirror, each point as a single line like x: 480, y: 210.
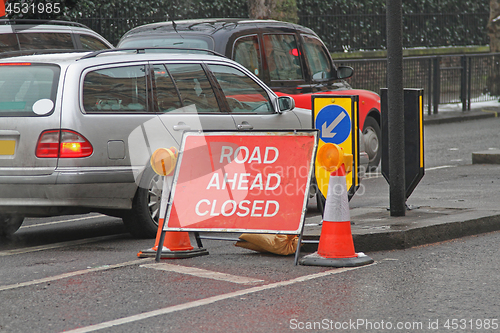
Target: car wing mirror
x: 344, y: 72
x: 286, y: 103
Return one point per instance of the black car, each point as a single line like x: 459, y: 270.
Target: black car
x: 291, y: 59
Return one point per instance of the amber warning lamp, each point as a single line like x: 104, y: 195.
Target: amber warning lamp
x: 163, y: 160
x: 331, y: 157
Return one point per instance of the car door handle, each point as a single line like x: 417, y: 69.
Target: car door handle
x: 245, y: 126
x: 181, y: 127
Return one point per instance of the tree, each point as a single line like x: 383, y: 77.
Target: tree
x: 493, y: 81
x: 282, y: 10
x: 494, y: 26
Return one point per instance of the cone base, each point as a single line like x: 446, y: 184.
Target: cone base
x: 315, y: 259
x: 151, y: 253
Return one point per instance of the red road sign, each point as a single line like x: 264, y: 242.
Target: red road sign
x: 242, y: 182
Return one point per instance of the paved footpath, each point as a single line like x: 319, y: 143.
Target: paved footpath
x: 448, y: 203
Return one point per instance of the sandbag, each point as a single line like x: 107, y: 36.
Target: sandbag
x: 277, y: 244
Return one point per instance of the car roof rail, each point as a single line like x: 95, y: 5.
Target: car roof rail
x: 144, y: 49
x: 35, y: 21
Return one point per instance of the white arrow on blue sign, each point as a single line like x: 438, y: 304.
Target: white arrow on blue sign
x: 334, y: 124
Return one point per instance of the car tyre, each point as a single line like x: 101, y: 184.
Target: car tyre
x: 373, y: 138
x: 9, y: 224
x: 142, y: 220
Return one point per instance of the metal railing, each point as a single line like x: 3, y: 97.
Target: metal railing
x: 445, y: 79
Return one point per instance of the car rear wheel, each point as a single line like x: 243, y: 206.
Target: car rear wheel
x: 142, y: 220
x: 9, y: 224
x: 372, y: 139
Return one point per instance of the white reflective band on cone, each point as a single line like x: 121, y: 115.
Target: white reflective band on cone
x: 337, y: 204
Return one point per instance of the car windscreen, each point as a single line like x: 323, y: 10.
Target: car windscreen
x: 190, y: 42
x: 27, y: 90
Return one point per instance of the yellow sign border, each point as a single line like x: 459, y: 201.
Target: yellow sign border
x: 350, y: 103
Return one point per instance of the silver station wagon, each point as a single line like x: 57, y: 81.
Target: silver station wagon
x: 77, y: 129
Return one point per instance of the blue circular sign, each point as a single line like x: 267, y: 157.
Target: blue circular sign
x: 334, y: 124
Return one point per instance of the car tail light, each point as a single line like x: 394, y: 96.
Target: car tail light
x: 63, y: 144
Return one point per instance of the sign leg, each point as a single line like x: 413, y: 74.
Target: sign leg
x: 160, y: 246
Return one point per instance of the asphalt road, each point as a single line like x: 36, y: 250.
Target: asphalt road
x: 100, y: 284
x: 71, y: 272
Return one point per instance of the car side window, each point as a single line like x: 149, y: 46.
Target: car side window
x: 247, y: 52
x: 92, y: 43
x: 317, y: 59
x: 166, y: 98
x: 243, y: 94
x: 43, y: 40
x: 197, y: 95
x: 282, y: 57
x: 117, y: 89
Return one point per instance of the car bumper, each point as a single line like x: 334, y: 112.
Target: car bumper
x: 71, y: 188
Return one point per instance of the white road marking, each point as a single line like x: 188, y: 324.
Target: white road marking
x: 71, y: 274
x: 441, y: 167
x: 58, y: 245
x: 209, y: 300
x: 202, y: 273
x: 63, y: 221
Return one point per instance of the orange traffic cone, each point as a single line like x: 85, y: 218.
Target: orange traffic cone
x: 336, y: 247
x: 176, y: 245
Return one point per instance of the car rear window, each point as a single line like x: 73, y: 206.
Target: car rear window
x: 27, y: 90
x: 43, y: 40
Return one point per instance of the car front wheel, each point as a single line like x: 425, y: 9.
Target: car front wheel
x: 142, y: 220
x: 9, y: 224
